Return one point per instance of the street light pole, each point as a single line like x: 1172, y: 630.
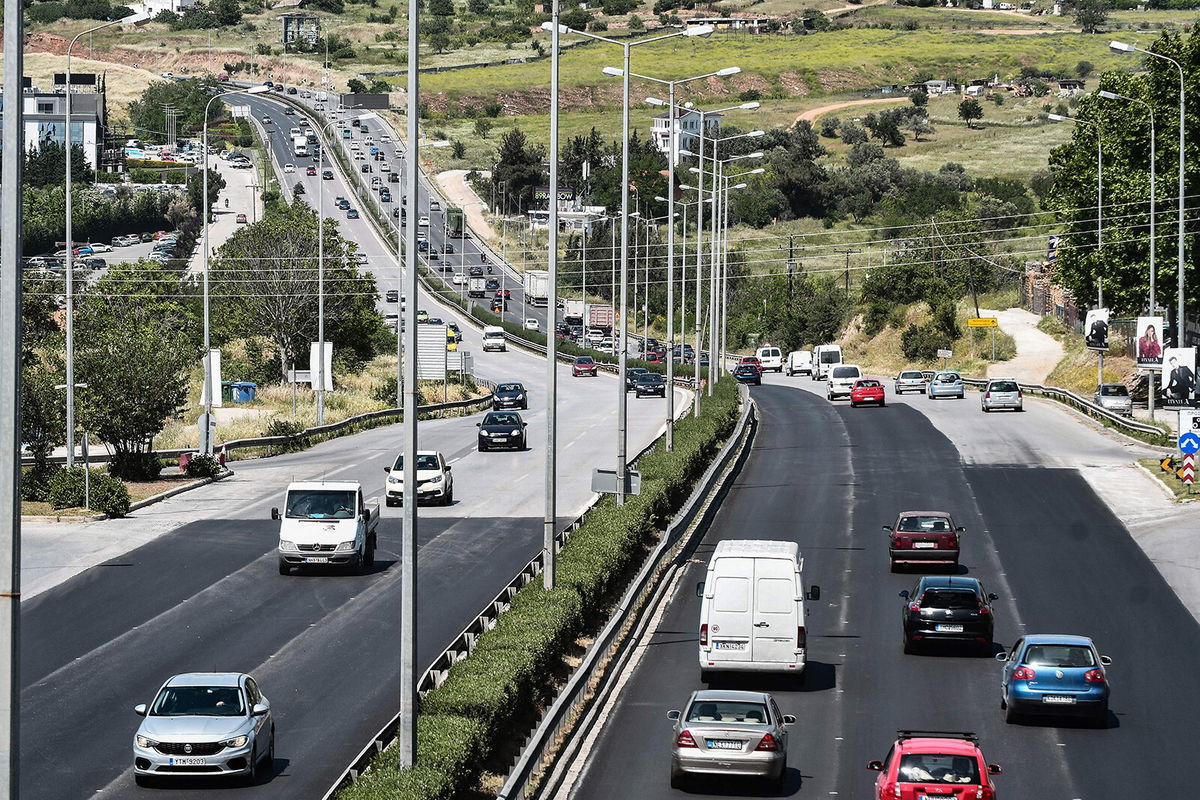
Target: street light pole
x: 548, y: 520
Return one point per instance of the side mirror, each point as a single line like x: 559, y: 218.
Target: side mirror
x: 1105, y: 660
x: 388, y: 470
x: 672, y: 715
x: 993, y: 596
x: 524, y: 424
x: 875, y: 765
x: 1002, y: 657
x: 140, y: 709
x: 904, y: 594
x: 448, y: 468
x: 478, y: 424
x: 789, y: 719
x: 887, y: 528
x: 960, y: 529
x: 259, y: 709
x: 994, y: 769
x: 274, y: 513
x: 814, y: 593
x: 700, y: 589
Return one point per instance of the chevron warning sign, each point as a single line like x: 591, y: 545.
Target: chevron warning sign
x: 1167, y: 464
x: 1188, y: 472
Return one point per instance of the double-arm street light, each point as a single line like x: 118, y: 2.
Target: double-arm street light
x: 206, y: 424
x: 622, y: 360
x: 133, y: 19
x: 725, y: 188
x: 1121, y: 47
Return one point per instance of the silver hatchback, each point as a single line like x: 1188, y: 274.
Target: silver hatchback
x: 910, y: 380
x: 205, y: 724
x: 730, y: 733
x: 1002, y: 393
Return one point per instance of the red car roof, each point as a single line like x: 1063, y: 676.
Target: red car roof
x: 957, y: 747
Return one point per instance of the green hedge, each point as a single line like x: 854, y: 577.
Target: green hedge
x: 483, y: 705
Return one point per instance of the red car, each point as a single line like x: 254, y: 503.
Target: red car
x: 866, y: 390
x: 652, y: 357
x: 584, y: 365
x: 934, y: 764
x: 750, y: 360
x: 310, y: 171
x: 923, y: 537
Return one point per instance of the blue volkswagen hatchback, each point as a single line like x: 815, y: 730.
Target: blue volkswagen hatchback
x: 945, y: 383
x: 1054, y: 674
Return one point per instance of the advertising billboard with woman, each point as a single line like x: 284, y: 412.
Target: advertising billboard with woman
x: 1149, y: 342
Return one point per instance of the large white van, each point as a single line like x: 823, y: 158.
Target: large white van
x: 800, y: 361
x: 771, y: 357
x: 824, y: 357
x: 841, y: 380
x: 752, y: 612
x: 493, y: 338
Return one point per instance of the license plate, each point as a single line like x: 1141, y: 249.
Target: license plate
x: 1058, y: 700
x: 188, y: 762
x: 499, y: 438
x: 943, y: 628
x: 316, y: 560
x: 724, y: 744
x: 924, y: 545
x: 731, y: 645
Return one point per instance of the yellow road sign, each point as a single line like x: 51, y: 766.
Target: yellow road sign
x: 981, y: 322
x: 1166, y: 465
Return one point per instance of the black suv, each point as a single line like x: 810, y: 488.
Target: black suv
x: 948, y: 608
x: 650, y: 383
x: 631, y: 377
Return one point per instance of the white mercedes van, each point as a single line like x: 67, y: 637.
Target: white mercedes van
x: 799, y: 361
x: 825, y: 357
x: 752, y: 609
x: 771, y: 357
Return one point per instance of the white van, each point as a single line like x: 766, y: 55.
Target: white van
x: 824, y: 357
x: 771, y: 357
x: 841, y: 380
x: 800, y: 361
x: 493, y: 338
x: 752, y: 612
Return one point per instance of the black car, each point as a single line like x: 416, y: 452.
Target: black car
x: 948, y: 608
x: 475, y: 272
x: 298, y: 189
x: 748, y: 373
x: 449, y: 248
x: 501, y: 429
x: 399, y: 213
x: 510, y: 395
x: 327, y: 175
x: 366, y: 168
x: 631, y: 376
x: 391, y: 296
x: 393, y: 177
x: 649, y: 384
x: 351, y: 213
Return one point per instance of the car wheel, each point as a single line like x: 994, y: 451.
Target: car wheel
x: 1020, y: 408
x: 853, y: 404
x: 369, y: 560
x: 984, y: 409
x: 707, y: 676
x: 1100, y: 720
x: 270, y: 760
x: 448, y: 498
x: 678, y: 779
x: 1010, y: 714
x: 910, y: 646
x: 882, y: 403
x: 390, y: 503
x: 284, y: 569
x: 252, y: 773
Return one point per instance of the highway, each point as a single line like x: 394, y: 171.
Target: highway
x: 323, y: 646
x: 828, y: 476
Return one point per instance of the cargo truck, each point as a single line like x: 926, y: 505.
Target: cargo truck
x: 299, y: 144
x: 476, y: 287
x: 573, y: 312
x: 326, y: 523
x: 455, y: 222
x: 537, y: 287
x: 599, y: 316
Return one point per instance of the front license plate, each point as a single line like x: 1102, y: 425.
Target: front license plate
x: 316, y: 560
x: 924, y: 545
x: 188, y: 762
x: 943, y: 628
x: 724, y: 744
x: 499, y: 439
x: 1058, y: 700
x: 731, y: 645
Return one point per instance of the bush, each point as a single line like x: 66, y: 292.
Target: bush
x: 279, y: 426
x: 107, y: 494
x: 35, y: 483
x: 135, y: 466
x: 921, y: 342
x: 110, y: 496
x: 203, y: 466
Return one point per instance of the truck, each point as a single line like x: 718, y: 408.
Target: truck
x: 537, y: 287
x: 476, y: 287
x: 300, y: 144
x: 573, y: 312
x: 493, y: 339
x: 326, y: 523
x: 600, y: 316
x: 455, y: 222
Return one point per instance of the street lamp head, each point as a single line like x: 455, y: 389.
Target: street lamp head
x: 683, y: 151
x: 759, y: 154
x: 725, y: 73
x: 694, y: 169
x: 134, y: 19
x: 1121, y: 47
x: 1110, y: 95
x: 549, y: 27
x: 1057, y: 118
x: 703, y: 31
x: 739, y: 186
x: 654, y: 101
x: 614, y: 72
x: 661, y: 199
x: 755, y: 134
x: 750, y: 106
x: 687, y: 188
x: 756, y: 171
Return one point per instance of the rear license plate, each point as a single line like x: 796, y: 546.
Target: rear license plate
x: 724, y: 744
x: 188, y: 762
x: 730, y: 645
x: 1058, y: 700
x: 924, y: 545
x: 316, y: 560
x: 944, y: 628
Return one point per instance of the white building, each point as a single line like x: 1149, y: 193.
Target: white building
x: 45, y: 120
x: 687, y: 125
x: 154, y: 7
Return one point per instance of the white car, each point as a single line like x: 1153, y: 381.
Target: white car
x: 383, y: 139
x: 100, y: 247
x: 384, y: 167
x: 434, y: 481
x: 289, y: 167
x: 423, y: 222
x: 531, y: 324
x: 459, y: 279
x: 355, y: 146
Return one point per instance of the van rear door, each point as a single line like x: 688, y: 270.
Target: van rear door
x: 775, y: 604
x: 730, y: 617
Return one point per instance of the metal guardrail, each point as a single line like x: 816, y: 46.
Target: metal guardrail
x: 1067, y: 397
x: 612, y: 644
x: 464, y: 643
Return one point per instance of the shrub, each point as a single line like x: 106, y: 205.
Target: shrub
x: 203, y: 466
x: 135, y: 466
x: 35, y: 483
x: 921, y: 342
x: 110, y: 496
x: 279, y: 426
x: 106, y: 493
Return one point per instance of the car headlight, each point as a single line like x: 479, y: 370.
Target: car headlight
x: 284, y: 544
x: 514, y: 431
x: 237, y: 741
x: 484, y: 433
x: 435, y: 479
x: 144, y: 741
x: 394, y: 479
x: 346, y: 546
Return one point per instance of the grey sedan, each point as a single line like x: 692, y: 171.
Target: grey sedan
x: 910, y: 380
x: 730, y: 733
x: 205, y: 724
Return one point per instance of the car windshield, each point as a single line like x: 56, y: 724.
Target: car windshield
x: 728, y: 711
x: 509, y: 387
x: 912, y: 375
x: 938, y: 768
x: 650, y: 377
x: 1114, y: 391
x: 831, y: 358
x: 923, y: 524
x: 502, y: 419
x: 845, y: 372
x: 584, y: 360
x: 948, y: 377
x: 423, y: 462
x: 1059, y: 655
x: 1003, y: 386
x: 199, y: 701
x: 960, y: 599
x: 321, y: 504
x: 867, y: 385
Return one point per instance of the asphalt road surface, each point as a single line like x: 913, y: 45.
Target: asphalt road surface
x: 828, y: 476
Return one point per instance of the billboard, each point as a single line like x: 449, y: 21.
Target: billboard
x: 1095, y: 327
x: 1149, y: 343
x: 1179, y: 377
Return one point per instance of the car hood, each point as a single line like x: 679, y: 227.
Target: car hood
x: 422, y: 474
x: 508, y: 395
x: 178, y: 728
x: 504, y: 429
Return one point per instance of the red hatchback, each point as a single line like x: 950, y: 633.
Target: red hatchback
x: 934, y: 764
x: 923, y: 537
x: 584, y: 365
x: 866, y: 390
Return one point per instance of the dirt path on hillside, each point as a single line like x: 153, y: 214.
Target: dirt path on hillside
x: 454, y: 186
x: 813, y: 113
x: 1037, y: 353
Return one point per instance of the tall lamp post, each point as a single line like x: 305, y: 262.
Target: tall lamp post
x: 622, y: 359
x: 725, y: 188
x: 1153, y: 213
x: 69, y: 311
x: 1121, y: 47
x: 206, y: 426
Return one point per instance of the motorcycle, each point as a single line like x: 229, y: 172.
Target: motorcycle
x: 489, y: 269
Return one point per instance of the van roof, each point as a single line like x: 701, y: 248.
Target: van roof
x: 492, y: 329
x: 757, y: 547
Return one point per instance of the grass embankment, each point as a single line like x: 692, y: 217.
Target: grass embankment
x: 1077, y: 370
x: 470, y: 724
x: 1170, y: 480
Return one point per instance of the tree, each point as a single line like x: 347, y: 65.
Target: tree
x: 518, y: 169
x: 919, y: 98
x: 440, y: 42
x: 441, y: 8
x: 46, y: 164
x: 1084, y: 68
x: 852, y: 133
x: 195, y: 189
x: 458, y: 150
x: 483, y: 126
x: 479, y: 7
x: 190, y: 97
x: 969, y: 110
x: 380, y: 86
x: 1091, y: 14
x: 920, y: 126
x: 635, y: 23
x: 227, y: 12
x: 356, y: 86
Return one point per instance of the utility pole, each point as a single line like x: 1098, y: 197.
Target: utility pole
x: 849, y: 251
x: 791, y: 263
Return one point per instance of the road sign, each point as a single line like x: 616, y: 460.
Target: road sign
x: 945, y: 354
x: 981, y: 322
x: 1167, y: 464
x: 1188, y: 473
x: 605, y: 481
x: 1189, y: 443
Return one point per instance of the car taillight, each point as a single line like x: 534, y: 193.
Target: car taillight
x: 1094, y: 676
x: 704, y: 635
x: 987, y: 395
x: 801, y: 637
x: 985, y: 610
x: 768, y: 744
x: 914, y: 606
x: 684, y: 739
x: 1024, y: 674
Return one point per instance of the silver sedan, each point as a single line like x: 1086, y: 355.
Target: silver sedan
x: 730, y: 733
